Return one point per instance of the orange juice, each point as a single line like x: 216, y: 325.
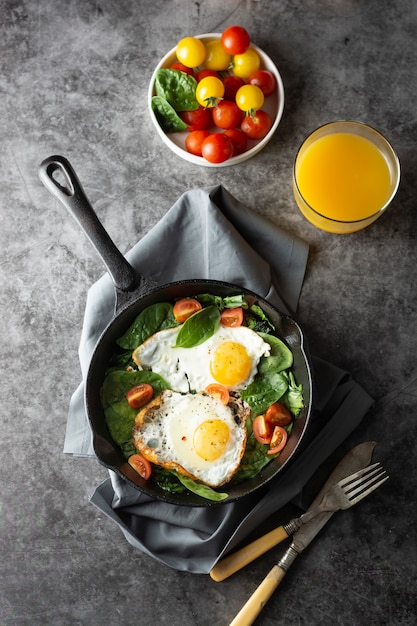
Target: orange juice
x: 342, y: 180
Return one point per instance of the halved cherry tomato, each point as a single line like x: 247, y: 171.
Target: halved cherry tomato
x: 227, y: 115
x: 194, y: 141
x: 217, y: 148
x: 231, y: 85
x: 139, y: 395
x: 199, y: 119
x: 262, y: 429
x: 141, y: 465
x: 232, y: 317
x: 235, y: 39
x: 278, y: 440
x: 256, y: 126
x: 184, y: 308
x: 182, y: 68
x: 216, y: 390
x: 265, y: 80
x: 238, y: 139
x: 278, y: 414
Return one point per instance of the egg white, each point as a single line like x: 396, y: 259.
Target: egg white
x: 164, y: 432
x: 188, y: 369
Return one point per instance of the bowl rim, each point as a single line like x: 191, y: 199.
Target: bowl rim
x: 252, y: 151
x: 382, y: 139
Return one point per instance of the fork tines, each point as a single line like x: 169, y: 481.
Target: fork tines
x: 363, y: 482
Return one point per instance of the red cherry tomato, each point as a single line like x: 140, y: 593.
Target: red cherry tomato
x: 278, y: 440
x: 265, y: 80
x: 199, y: 119
x: 231, y: 85
x: 183, y: 309
x: 217, y: 148
x: 182, y: 68
x: 238, y: 139
x: 235, y: 39
x: 141, y: 465
x: 227, y: 115
x: 216, y: 390
x: 204, y: 73
x: 232, y: 317
x: 256, y: 126
x: 262, y: 429
x: 278, y: 414
x: 139, y: 395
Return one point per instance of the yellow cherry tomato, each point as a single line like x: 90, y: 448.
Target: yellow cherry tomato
x: 190, y: 51
x: 247, y: 63
x: 249, y: 98
x: 216, y: 56
x: 209, y: 91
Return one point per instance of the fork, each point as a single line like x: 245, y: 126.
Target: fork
x: 344, y: 494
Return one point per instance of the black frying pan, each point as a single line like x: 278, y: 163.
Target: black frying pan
x: 133, y: 293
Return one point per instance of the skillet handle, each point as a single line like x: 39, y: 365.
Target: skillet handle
x: 72, y: 196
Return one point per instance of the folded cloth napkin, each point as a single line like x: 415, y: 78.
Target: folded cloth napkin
x: 219, y: 238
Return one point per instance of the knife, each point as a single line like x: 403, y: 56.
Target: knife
x: 358, y: 458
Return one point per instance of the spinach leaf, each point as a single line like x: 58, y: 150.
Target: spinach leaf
x: 198, y: 328
x: 254, y: 459
x: 293, y: 398
x: 256, y: 319
x: 155, y: 317
x: 267, y: 388
x: 204, y: 491
x: 166, y: 115
x: 177, y: 88
x: 280, y: 358
x: 120, y: 417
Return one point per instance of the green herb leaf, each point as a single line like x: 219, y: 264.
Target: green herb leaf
x: 166, y: 115
x: 280, y: 358
x: 155, y: 317
x: 177, y: 88
x: 204, y: 491
x: 198, y: 328
x: 266, y: 389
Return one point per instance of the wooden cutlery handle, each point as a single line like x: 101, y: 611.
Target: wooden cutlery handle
x: 231, y: 564
x: 249, y: 612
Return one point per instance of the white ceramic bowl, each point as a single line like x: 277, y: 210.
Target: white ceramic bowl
x: 274, y: 105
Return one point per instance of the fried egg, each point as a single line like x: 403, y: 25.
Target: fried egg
x: 194, y: 434
x: 230, y: 357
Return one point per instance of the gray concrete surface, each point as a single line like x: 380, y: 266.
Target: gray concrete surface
x: 73, y: 80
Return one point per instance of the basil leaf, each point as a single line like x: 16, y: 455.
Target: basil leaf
x: 168, y: 119
x: 155, y: 317
x: 202, y: 490
x: 198, y: 328
x: 177, y: 88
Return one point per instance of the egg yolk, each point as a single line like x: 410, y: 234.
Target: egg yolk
x: 230, y: 364
x: 210, y: 439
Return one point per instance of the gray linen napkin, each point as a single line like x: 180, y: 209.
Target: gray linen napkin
x: 219, y: 238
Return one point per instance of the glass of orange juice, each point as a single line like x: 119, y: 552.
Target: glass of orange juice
x: 345, y: 176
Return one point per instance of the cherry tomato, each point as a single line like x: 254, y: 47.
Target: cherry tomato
x: 227, y: 115
x: 199, y: 119
x: 209, y: 91
x: 265, y: 80
x: 238, y: 139
x: 204, y: 73
x: 256, y: 126
x: 278, y: 440
x: 216, y: 390
x: 182, y: 68
x: 278, y: 414
x: 262, y: 429
x: 246, y: 64
x: 235, y: 39
x: 190, y: 51
x: 141, y: 465
x: 232, y: 317
x: 250, y: 98
x: 194, y: 140
x: 184, y: 308
x: 139, y: 395
x: 231, y: 85
x: 216, y: 56
x: 217, y: 148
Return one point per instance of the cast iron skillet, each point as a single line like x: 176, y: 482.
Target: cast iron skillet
x: 133, y: 293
